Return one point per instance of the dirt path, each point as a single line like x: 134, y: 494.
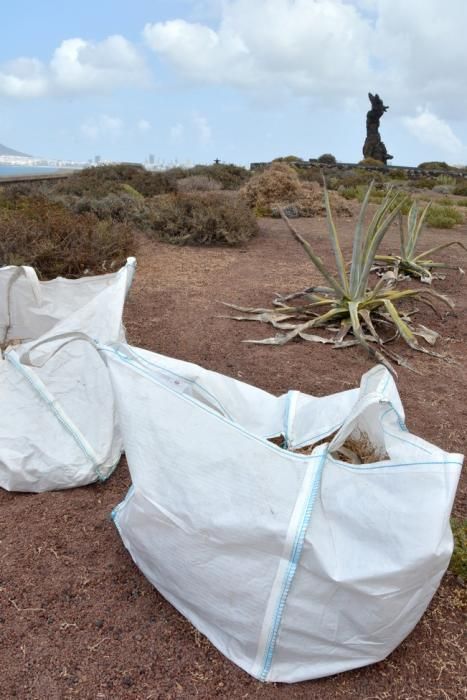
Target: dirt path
x: 77, y: 618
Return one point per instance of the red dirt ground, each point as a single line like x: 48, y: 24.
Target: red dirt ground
x: 78, y: 620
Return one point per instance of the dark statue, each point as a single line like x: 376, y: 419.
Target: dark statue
x: 373, y: 146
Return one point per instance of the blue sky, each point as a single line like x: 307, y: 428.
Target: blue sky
x: 239, y: 80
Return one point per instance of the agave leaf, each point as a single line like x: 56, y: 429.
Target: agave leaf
x: 442, y: 297
x: 414, y: 226
x: 427, y: 334
x: 439, y: 247
x: 335, y: 242
x: 365, y: 314
x: 263, y: 318
x: 344, y: 329
x: 279, y: 339
x: 339, y: 290
x: 401, y: 326
x: 316, y: 338
x: 246, y: 309
x: 373, y: 247
x: 357, y: 245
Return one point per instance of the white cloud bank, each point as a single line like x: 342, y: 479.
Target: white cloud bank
x: 306, y: 46
x: 433, y: 131
x: 330, y: 50
x: 77, y: 66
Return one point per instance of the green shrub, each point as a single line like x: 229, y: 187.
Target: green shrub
x: 312, y: 173
x: 123, y: 208
x: 111, y: 179
x: 202, y: 218
x: 461, y: 203
x: 434, y: 165
x: 446, y: 180
x: 396, y: 174
x: 327, y: 159
x: 230, y: 176
x: 461, y: 189
x: 458, y: 564
x: 423, y: 183
x: 288, y: 159
x: 56, y: 242
x: 442, y: 216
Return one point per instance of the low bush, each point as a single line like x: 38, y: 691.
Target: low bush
x: 280, y: 186
x: 288, y: 159
x: 198, y: 183
x: 461, y: 189
x: 442, y: 216
x: 360, y: 176
x: 56, y: 241
x: 202, y: 218
x: 122, y: 208
x: 102, y: 180
x: 396, y: 174
x: 434, y: 165
x: 327, y: 159
x: 443, y: 189
x: 230, y: 176
x: 423, y: 183
x: 461, y: 203
x: 446, y: 180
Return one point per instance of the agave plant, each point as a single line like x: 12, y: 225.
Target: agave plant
x: 348, y: 305
x: 409, y: 262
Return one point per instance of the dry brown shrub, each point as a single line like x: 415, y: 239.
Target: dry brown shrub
x: 57, y: 242
x: 279, y: 186
x: 202, y: 218
x: 198, y: 183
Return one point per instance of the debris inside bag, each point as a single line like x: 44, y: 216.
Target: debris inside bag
x: 357, y: 448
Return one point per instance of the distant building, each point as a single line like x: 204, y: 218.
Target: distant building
x: 97, y: 160
x: 151, y: 159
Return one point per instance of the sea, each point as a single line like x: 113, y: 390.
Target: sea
x: 11, y: 170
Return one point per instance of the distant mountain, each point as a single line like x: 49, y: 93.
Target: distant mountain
x: 5, y: 151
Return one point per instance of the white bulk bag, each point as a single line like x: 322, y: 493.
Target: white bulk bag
x: 58, y: 425
x: 294, y: 566
x: 30, y: 308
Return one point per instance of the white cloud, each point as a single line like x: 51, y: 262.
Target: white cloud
x: 76, y: 67
x: 421, y: 49
x: 330, y: 50
x: 143, y: 125
x: 305, y: 46
x: 202, y: 128
x: 434, y: 132
x: 103, y: 126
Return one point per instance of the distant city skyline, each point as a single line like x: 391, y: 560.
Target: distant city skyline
x: 242, y: 81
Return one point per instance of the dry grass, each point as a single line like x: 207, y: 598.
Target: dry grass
x: 357, y: 449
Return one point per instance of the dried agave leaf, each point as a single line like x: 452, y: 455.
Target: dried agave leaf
x: 427, y: 334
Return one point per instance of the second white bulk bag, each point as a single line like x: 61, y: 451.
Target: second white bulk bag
x: 58, y: 423
x: 294, y: 565
x: 30, y: 308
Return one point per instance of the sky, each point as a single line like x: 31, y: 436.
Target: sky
x: 239, y: 80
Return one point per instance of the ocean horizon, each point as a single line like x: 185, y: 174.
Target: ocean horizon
x: 11, y: 170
